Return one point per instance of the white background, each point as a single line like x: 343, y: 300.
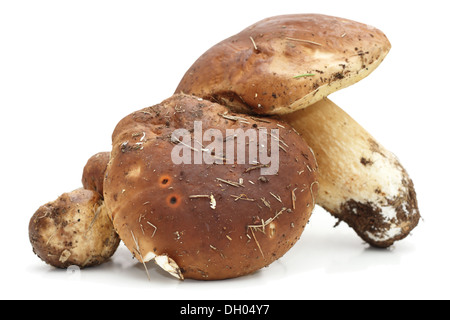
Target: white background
x: 70, y: 70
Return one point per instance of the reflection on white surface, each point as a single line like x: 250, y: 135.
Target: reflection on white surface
x: 327, y: 262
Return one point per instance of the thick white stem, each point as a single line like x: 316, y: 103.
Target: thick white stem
x: 361, y: 182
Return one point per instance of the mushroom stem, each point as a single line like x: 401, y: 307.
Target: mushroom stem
x: 361, y: 182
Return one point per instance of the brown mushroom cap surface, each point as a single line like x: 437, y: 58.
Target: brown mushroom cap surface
x: 285, y: 63
x: 94, y: 172
x: 73, y: 230
x: 213, y: 221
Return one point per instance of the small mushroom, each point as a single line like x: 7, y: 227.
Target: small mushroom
x: 74, y: 230
x: 288, y: 65
x: 94, y: 172
x: 204, y: 220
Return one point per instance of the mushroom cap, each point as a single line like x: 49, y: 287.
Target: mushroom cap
x: 94, y: 172
x: 285, y: 63
x: 73, y: 230
x: 202, y: 219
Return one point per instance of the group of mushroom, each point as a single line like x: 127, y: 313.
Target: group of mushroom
x: 225, y: 219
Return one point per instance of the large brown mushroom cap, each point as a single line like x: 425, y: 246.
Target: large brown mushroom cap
x: 207, y: 221
x: 285, y: 63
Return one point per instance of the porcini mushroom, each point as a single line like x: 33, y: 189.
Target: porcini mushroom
x: 94, y: 172
x: 288, y: 65
x: 207, y: 220
x: 73, y: 230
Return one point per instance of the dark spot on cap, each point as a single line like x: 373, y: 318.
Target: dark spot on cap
x: 366, y: 162
x: 173, y: 200
x: 165, y: 181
